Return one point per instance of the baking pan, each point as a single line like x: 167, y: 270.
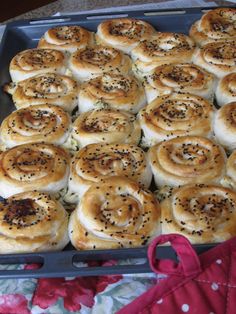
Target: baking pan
x: 25, y: 34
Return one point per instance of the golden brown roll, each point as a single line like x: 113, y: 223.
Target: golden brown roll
x: 202, y: 213
x: 122, y: 92
x: 123, y: 34
x: 114, y: 213
x: 162, y: 48
x: 187, y: 159
x: 42, y: 167
x: 215, y: 25
x: 179, y: 77
x: 31, y: 62
x: 226, y: 89
x: 40, y: 123
x: 218, y: 58
x: 176, y: 115
x: 91, y: 62
x: 66, y: 38
x: 32, y: 222
x: 230, y: 178
x: 95, y: 161
x: 225, y: 126
x: 106, y: 126
x: 46, y: 88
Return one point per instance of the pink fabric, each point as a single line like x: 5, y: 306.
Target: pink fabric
x: 210, y: 289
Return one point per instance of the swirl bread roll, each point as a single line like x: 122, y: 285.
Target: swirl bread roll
x: 106, y: 126
x: 176, y: 115
x: 226, y: 89
x: 216, y: 25
x: 202, y: 213
x: 94, y: 61
x: 122, y: 92
x: 43, y: 167
x: 187, y: 159
x: 230, y: 178
x: 179, y: 77
x: 48, y: 88
x: 225, y: 126
x: 114, y: 213
x: 40, y: 123
x: 66, y: 38
x: 162, y: 48
x: 32, y: 222
x: 218, y: 58
x: 95, y: 161
x: 31, y: 62
x: 123, y: 34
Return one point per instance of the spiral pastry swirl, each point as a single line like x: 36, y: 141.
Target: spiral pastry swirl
x: 162, y: 48
x: 176, y: 115
x: 114, y: 213
x: 66, y: 38
x: 202, y: 213
x: 123, y: 34
x: 215, y: 25
x: 179, y: 77
x: 106, y: 126
x: 187, y: 159
x: 225, y: 126
x: 32, y: 222
x: 40, y: 123
x: 226, y: 89
x: 31, y: 62
x: 117, y: 91
x: 43, y: 167
x: 95, y: 161
x: 48, y: 88
x: 218, y: 58
x: 94, y: 61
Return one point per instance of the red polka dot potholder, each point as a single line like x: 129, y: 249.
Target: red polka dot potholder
x: 204, y: 284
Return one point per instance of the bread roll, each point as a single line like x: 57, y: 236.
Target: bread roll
x: 215, y: 25
x: 202, y: 213
x: 94, y: 61
x: 66, y: 38
x: 219, y: 58
x: 225, y: 126
x: 162, y: 48
x: 179, y: 77
x: 95, y: 161
x: 124, y: 33
x: 32, y: 222
x: 187, y: 159
x: 48, y: 88
x: 106, y: 126
x: 176, y: 115
x: 31, y: 62
x: 226, y: 89
x: 39, y: 123
x: 122, y: 92
x: 230, y: 178
x: 42, y: 167
x: 115, y: 213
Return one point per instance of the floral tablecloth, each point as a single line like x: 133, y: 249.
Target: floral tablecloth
x: 85, y: 295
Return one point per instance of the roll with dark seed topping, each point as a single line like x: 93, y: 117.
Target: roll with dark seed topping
x: 32, y: 222
x: 95, y: 161
x: 226, y: 89
x: 31, y: 62
x: 39, y: 123
x: 66, y: 38
x: 43, y: 167
x: 123, y: 34
x: 202, y: 213
x: 114, y: 213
